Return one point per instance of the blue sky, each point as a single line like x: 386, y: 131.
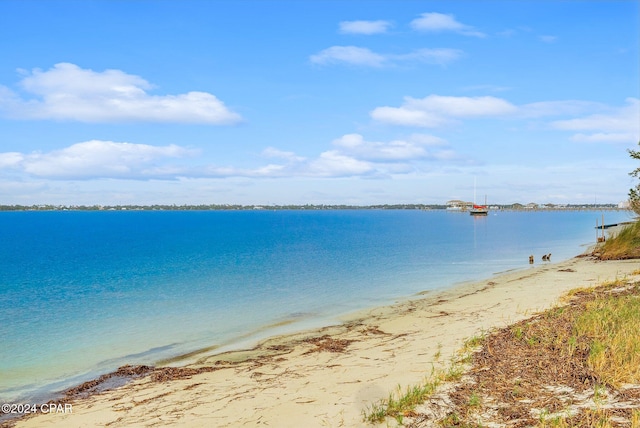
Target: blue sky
x: 317, y: 101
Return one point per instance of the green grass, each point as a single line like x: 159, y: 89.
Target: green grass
x: 400, y: 404
x: 474, y: 400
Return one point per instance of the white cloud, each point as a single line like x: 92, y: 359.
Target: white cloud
x: 407, y: 117
x: 68, y: 92
x: 10, y: 159
x: 428, y: 140
x: 270, y: 170
x: 439, y: 22
x: 354, y: 55
x: 618, y: 125
x: 328, y: 164
x: 395, y: 150
x: 364, y: 27
x: 608, y: 124
x: 440, y: 56
x: 624, y: 118
x: 463, y: 106
x: 271, y: 152
x: 435, y: 110
x: 349, y: 55
x: 335, y: 164
x: 98, y: 159
x: 352, y: 156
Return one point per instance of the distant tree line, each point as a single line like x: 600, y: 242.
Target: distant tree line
x: 234, y: 207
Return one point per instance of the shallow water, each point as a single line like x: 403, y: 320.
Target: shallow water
x: 82, y: 293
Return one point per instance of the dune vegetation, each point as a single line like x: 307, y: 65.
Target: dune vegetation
x: 624, y: 245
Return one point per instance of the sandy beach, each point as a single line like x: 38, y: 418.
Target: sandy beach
x: 326, y: 377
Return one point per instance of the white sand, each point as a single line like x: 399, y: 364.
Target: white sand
x: 289, y: 387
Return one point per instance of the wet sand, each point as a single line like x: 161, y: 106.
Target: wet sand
x: 327, y: 377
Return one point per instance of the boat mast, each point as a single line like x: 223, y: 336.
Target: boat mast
x: 474, y: 191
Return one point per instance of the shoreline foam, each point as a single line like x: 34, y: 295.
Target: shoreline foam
x: 327, y: 376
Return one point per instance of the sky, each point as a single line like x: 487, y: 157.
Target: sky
x: 318, y: 101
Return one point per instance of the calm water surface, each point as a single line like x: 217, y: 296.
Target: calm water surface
x: 82, y: 293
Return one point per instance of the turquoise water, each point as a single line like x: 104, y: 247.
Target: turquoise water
x: 82, y: 293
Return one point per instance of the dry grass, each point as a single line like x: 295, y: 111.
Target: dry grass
x: 625, y: 245
x: 610, y: 323
x: 573, y: 366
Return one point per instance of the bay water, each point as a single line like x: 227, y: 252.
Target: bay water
x: 83, y: 293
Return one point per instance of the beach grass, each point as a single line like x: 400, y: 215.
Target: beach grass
x: 401, y: 403
x: 610, y: 323
x: 624, y: 245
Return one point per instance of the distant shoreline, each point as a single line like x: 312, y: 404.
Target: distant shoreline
x: 315, y: 207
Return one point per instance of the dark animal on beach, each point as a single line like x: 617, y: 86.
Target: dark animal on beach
x: 546, y: 257
x: 530, y: 259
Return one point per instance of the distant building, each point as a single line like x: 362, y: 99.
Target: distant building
x: 454, y: 205
x: 457, y: 205
x: 624, y: 205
